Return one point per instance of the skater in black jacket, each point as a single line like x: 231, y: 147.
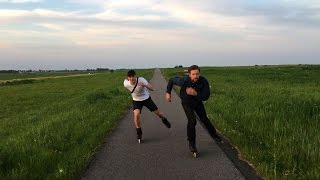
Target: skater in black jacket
x: 194, y: 90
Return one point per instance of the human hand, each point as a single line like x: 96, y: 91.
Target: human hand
x: 190, y: 91
x: 141, y: 84
x: 168, y: 97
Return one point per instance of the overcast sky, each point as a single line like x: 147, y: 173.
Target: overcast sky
x: 81, y: 34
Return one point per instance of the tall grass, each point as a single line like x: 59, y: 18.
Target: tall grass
x: 51, y: 128
x: 272, y: 114
x: 10, y: 76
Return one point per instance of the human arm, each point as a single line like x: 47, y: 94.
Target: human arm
x: 126, y: 84
x: 149, y: 86
x: 204, y: 92
x: 144, y: 83
x: 173, y: 81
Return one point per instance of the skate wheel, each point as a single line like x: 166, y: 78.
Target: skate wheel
x: 139, y: 141
x: 194, y: 154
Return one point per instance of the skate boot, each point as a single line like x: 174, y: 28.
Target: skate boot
x: 139, y: 135
x: 217, y: 138
x: 193, y: 149
x: 166, y: 122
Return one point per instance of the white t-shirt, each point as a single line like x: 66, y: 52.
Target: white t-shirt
x: 140, y: 93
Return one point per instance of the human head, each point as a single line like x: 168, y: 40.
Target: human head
x: 131, y: 76
x: 194, y: 73
x: 131, y: 73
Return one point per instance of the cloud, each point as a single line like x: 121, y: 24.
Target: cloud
x: 86, y: 2
x: 121, y: 29
x: 20, y: 1
x: 55, y: 27
x: 290, y: 14
x: 221, y: 16
x: 5, y: 44
x: 9, y: 15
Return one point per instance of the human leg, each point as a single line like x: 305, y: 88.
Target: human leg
x: 137, y: 106
x: 163, y: 118
x: 153, y: 108
x: 191, y: 130
x: 201, y: 112
x: 136, y: 118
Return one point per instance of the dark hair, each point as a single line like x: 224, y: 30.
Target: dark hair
x: 193, y: 67
x: 131, y: 73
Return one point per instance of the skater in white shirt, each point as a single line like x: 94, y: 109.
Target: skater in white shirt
x: 139, y: 86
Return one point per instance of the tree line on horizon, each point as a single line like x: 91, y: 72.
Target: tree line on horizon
x: 65, y: 70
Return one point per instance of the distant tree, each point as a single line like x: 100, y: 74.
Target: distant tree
x: 8, y: 71
x: 102, y: 69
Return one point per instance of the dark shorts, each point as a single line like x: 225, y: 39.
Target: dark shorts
x: 147, y: 103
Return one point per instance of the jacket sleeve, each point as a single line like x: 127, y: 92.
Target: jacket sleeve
x: 204, y: 92
x: 174, y: 81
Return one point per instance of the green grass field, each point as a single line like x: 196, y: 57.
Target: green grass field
x: 271, y: 114
x: 10, y: 76
x: 50, y: 128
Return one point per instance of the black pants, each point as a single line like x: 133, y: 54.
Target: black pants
x: 190, y: 111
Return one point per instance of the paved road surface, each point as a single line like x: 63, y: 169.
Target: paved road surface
x: 164, y: 153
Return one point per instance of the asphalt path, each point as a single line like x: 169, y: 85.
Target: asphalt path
x: 164, y: 153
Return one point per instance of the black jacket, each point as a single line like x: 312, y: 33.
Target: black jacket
x: 201, y: 86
